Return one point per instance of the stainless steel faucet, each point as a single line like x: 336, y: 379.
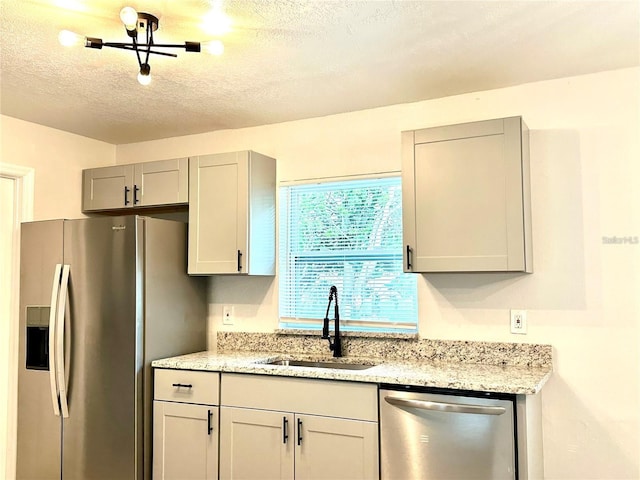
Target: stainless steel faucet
x: 336, y: 345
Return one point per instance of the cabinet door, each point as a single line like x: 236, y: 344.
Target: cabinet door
x: 218, y: 213
x: 107, y: 188
x: 165, y: 182
x: 256, y: 444
x: 185, y: 441
x: 463, y: 208
x: 334, y: 448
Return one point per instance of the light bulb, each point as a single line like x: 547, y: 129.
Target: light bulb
x: 214, y: 47
x: 129, y: 18
x: 144, y: 77
x: 69, y: 39
x: 216, y: 22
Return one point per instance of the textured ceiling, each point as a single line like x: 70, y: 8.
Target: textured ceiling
x: 292, y: 59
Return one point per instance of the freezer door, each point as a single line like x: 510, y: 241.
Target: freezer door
x: 445, y: 437
x: 39, y: 429
x: 101, y: 434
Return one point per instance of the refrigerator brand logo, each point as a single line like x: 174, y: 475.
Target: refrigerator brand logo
x: 118, y: 227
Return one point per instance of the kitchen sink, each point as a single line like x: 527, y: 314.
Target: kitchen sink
x: 315, y: 364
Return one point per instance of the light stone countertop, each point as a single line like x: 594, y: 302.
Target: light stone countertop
x: 514, y: 379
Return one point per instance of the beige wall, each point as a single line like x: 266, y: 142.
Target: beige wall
x: 58, y: 159
x: 583, y: 296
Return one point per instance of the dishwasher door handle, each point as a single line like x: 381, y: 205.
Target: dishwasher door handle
x: 445, y: 407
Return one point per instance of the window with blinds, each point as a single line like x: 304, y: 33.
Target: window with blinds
x: 347, y: 234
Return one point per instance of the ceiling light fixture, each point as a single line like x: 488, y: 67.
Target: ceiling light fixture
x: 146, y: 24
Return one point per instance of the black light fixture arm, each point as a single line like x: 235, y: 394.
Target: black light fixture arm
x: 134, y: 45
x: 128, y: 46
x: 147, y: 23
x: 152, y: 24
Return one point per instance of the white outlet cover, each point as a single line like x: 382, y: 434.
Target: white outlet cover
x: 227, y: 315
x: 519, y: 322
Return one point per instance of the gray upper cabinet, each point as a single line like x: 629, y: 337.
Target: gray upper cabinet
x: 148, y: 184
x: 466, y: 199
x: 232, y: 214
x: 107, y: 188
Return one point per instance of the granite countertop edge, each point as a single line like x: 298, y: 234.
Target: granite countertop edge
x: 519, y: 380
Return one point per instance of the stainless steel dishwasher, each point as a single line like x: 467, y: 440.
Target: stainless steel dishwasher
x: 428, y: 434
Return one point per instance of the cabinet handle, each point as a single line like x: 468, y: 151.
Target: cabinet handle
x: 299, y: 431
x: 126, y: 195
x: 409, y: 258
x: 185, y: 385
x: 209, y: 426
x: 239, y: 261
x: 135, y: 194
x: 285, y: 428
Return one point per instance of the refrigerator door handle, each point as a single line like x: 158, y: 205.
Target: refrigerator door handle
x: 55, y: 289
x: 60, y: 367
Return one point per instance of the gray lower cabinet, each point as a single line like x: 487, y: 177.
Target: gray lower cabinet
x: 466, y: 197
x: 208, y: 425
x: 147, y: 184
x: 232, y: 214
x: 265, y: 437
x: 182, y: 446
x: 185, y: 425
x: 285, y: 428
x: 336, y: 448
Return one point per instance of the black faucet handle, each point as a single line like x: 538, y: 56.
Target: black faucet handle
x: 325, y: 328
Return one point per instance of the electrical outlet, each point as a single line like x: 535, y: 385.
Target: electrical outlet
x: 519, y: 321
x: 227, y: 315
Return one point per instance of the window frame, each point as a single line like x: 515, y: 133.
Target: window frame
x: 358, y: 325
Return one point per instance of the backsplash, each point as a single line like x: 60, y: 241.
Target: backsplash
x: 410, y: 349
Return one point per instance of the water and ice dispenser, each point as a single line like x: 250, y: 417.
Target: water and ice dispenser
x: 37, y: 351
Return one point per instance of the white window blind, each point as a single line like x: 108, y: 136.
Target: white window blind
x: 347, y: 234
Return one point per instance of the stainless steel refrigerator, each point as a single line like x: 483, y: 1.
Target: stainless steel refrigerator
x: 100, y: 298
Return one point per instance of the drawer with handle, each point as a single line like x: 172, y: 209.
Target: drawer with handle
x: 187, y: 386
